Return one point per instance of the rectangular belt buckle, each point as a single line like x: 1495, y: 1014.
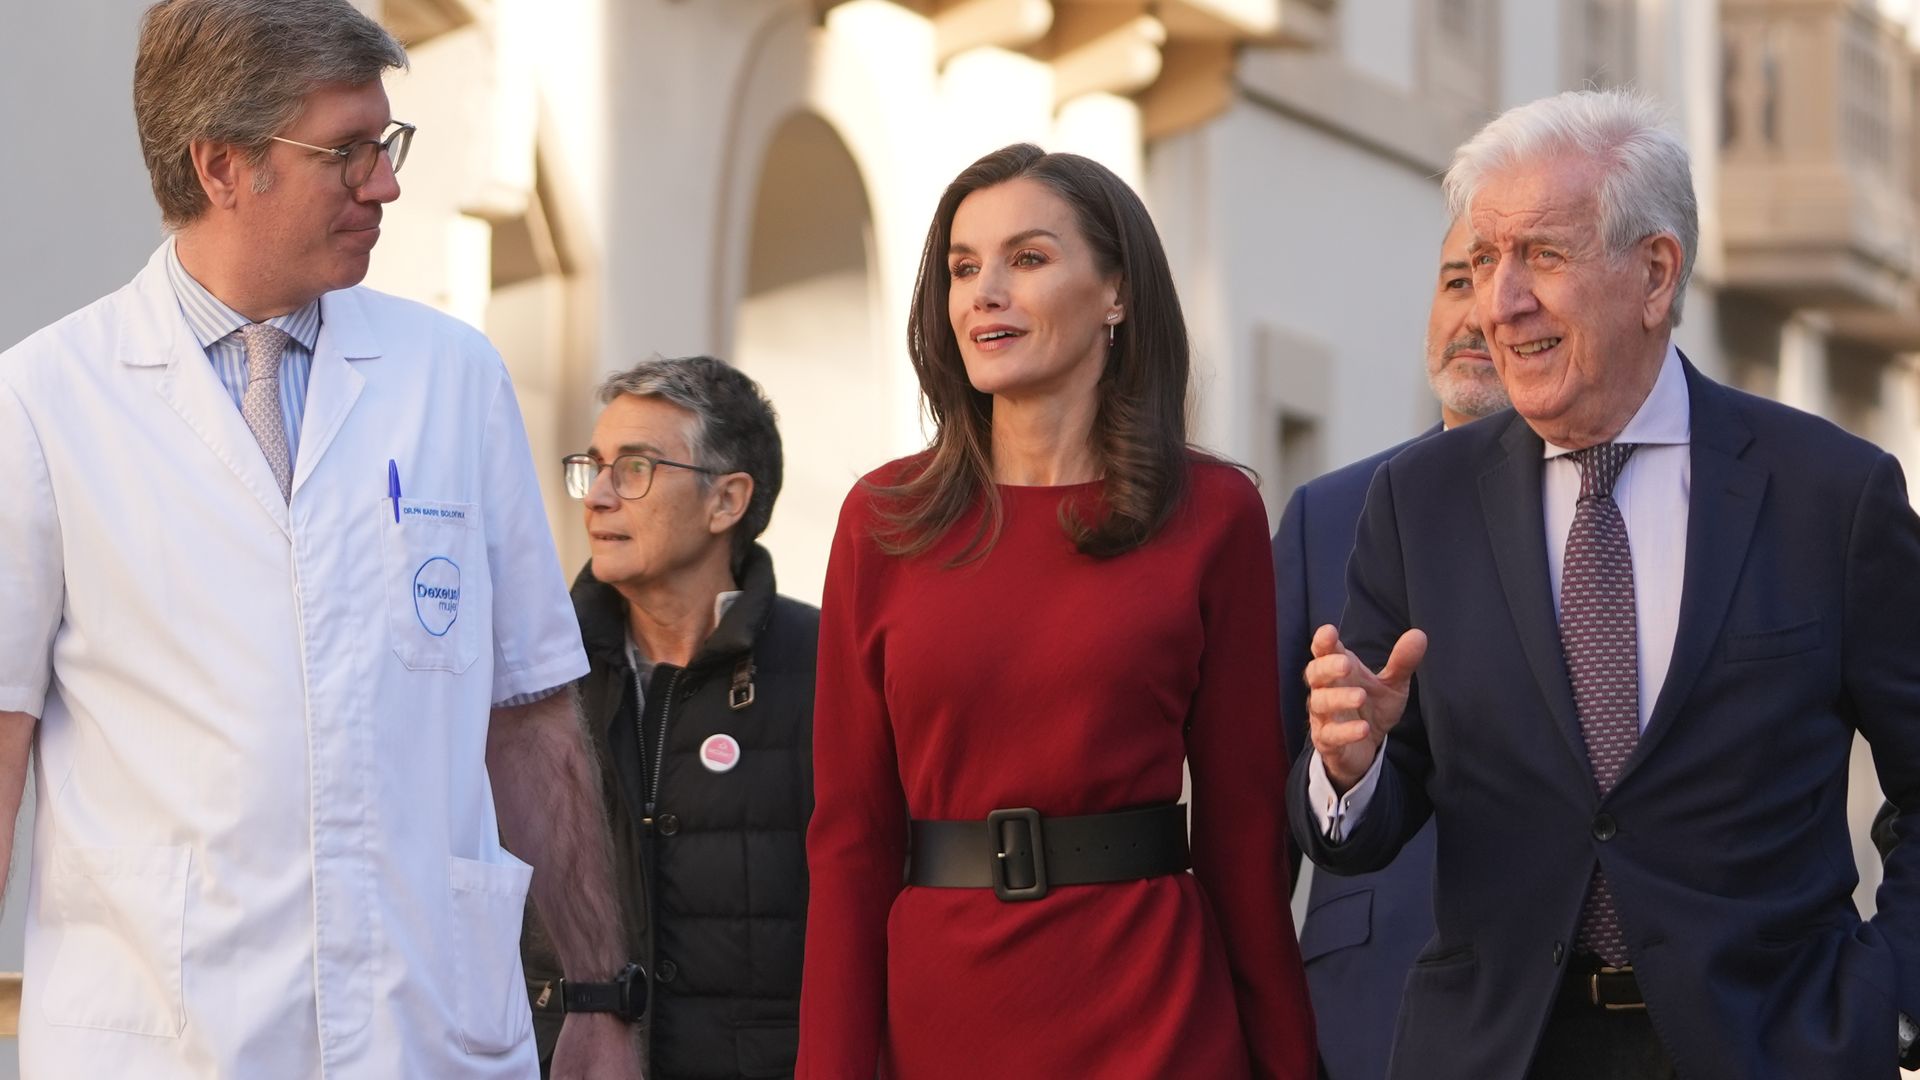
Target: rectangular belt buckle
x: 1037, y: 856
x: 1593, y: 991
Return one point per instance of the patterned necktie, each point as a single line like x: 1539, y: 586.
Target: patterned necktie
x: 1602, y: 646
x: 261, y: 403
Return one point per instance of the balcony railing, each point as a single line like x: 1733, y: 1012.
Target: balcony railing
x: 1816, y: 168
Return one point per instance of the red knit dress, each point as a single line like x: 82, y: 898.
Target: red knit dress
x: 1041, y: 677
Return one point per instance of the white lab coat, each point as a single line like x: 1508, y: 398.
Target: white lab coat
x: 265, y: 842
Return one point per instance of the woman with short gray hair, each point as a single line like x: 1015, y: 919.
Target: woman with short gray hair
x: 700, y: 703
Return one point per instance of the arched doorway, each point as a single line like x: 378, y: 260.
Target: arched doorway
x: 807, y: 332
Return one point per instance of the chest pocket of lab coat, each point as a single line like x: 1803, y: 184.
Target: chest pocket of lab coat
x: 432, y: 557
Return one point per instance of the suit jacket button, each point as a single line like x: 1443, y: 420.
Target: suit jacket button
x: 668, y: 824
x: 1603, y: 827
x: 1559, y: 953
x: 666, y: 971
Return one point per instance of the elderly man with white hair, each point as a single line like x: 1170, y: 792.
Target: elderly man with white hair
x: 1626, y: 684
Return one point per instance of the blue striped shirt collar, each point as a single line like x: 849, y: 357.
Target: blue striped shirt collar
x: 210, y: 320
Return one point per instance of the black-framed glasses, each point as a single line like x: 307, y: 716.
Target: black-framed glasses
x: 358, y: 159
x: 632, y: 473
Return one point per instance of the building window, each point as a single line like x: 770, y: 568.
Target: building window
x: 1601, y: 42
x: 1458, y: 53
x: 1866, y: 98
x: 1300, y: 456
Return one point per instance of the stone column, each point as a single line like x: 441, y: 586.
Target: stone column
x: 1803, y: 362
x: 1899, y: 432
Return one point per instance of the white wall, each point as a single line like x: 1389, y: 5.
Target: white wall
x: 1377, y: 39
x: 81, y: 218
x: 1306, y: 265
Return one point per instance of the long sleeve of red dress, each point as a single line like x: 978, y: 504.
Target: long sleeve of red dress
x: 857, y: 837
x: 1239, y: 815
x: 1038, y: 676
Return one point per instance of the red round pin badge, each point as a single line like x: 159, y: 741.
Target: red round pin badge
x: 720, y: 753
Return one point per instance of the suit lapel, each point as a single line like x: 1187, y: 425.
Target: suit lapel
x: 1722, y: 509
x: 189, y: 386
x: 1510, y: 492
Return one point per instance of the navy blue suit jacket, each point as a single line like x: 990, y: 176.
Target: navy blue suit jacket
x: 1361, y: 933
x: 1726, y: 838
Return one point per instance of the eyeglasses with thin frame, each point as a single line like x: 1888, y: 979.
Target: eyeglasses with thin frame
x: 632, y: 473
x: 359, y: 159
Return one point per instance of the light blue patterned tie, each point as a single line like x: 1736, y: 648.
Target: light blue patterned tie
x: 260, y: 405
x: 1601, y: 641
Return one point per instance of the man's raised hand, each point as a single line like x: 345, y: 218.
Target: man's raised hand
x: 1349, y: 708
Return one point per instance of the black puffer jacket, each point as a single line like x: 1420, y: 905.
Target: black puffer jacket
x: 715, y: 887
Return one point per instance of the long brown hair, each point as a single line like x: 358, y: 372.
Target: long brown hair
x: 1140, y: 423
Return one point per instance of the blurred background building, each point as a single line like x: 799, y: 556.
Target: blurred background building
x: 596, y: 181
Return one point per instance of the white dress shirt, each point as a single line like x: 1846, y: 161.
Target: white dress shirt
x: 217, y: 328
x: 1652, y: 493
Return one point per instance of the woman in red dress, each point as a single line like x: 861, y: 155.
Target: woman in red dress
x: 1049, y: 611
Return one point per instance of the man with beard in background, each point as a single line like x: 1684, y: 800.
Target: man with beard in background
x: 1362, y: 933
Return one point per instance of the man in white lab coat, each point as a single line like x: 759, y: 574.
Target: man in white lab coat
x: 283, y: 612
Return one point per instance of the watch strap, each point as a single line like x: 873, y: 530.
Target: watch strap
x: 625, y: 996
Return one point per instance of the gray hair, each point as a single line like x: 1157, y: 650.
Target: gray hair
x: 1646, y: 187
x: 239, y: 71
x: 734, y: 427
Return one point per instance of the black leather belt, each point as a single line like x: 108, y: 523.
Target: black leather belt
x: 1020, y: 855
x: 1591, y: 984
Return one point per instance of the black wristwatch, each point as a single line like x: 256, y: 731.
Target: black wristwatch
x: 625, y: 996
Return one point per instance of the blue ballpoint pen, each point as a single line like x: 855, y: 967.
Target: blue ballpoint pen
x: 393, y: 488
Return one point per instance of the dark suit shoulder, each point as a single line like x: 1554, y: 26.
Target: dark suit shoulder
x: 1782, y: 435
x: 1351, y: 481
x: 1783, y: 429
x: 1354, y: 476
x: 1443, y: 457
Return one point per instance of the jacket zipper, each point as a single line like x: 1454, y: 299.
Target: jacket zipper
x: 660, y: 751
